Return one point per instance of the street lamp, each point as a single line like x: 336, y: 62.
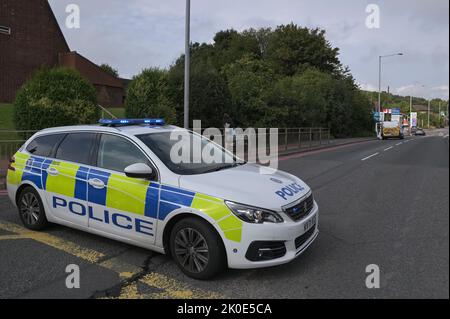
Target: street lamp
x: 379, y: 82
x: 187, y: 58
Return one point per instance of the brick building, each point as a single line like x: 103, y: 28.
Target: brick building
x: 30, y: 37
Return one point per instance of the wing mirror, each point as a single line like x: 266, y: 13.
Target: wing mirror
x: 139, y: 170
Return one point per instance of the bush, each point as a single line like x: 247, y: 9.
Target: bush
x: 147, y: 96
x: 209, y: 94
x: 55, y: 97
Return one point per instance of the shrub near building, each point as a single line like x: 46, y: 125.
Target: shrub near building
x: 147, y: 96
x: 55, y: 97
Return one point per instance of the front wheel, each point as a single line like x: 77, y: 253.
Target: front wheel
x: 31, y: 209
x: 197, y: 249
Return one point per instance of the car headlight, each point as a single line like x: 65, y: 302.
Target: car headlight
x: 254, y: 215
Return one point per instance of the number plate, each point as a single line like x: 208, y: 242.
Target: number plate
x: 310, y: 223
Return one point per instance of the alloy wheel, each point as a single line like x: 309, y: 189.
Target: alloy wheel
x: 30, y: 208
x: 191, y: 250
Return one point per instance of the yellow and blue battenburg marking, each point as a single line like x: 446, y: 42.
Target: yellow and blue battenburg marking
x: 122, y: 193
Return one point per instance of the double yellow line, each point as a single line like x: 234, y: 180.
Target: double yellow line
x: 164, y: 286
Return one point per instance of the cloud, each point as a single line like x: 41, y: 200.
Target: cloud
x: 368, y: 87
x: 421, y: 90
x: 134, y: 34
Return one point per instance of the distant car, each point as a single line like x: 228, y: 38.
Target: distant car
x: 413, y: 130
x: 419, y: 132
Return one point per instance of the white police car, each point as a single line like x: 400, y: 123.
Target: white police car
x: 118, y: 181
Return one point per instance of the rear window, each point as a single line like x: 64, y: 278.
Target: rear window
x: 43, y: 145
x: 76, y: 147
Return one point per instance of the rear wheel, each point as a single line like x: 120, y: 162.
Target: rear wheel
x: 31, y: 210
x: 197, y: 248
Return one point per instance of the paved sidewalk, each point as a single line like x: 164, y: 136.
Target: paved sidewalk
x: 326, y: 144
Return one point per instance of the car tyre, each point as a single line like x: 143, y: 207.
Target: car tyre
x: 197, y: 248
x: 31, y: 209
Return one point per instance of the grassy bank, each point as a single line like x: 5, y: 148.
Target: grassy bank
x: 7, y: 122
x: 6, y: 117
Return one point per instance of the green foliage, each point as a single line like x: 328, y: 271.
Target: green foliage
x: 109, y: 69
x: 55, y: 97
x: 287, y: 77
x: 209, y: 94
x: 293, y: 49
x: 249, y: 81
x: 147, y: 96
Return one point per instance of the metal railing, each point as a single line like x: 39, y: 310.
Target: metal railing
x: 104, y: 111
x: 10, y: 142
x: 289, y: 140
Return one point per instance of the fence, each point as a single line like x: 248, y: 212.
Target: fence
x: 289, y: 140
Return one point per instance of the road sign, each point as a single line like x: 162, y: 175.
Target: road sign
x: 414, y: 119
x: 376, y: 116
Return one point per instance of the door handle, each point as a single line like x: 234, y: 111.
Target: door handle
x: 96, y: 183
x: 52, y: 171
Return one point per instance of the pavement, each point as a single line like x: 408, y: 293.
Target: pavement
x: 381, y: 202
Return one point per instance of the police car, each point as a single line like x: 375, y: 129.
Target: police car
x: 117, y: 180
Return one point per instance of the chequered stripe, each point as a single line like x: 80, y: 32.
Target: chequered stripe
x: 122, y: 193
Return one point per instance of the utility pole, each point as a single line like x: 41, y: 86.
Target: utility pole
x: 378, y: 125
x: 429, y: 105
x: 187, y: 58
x: 439, y: 124
x: 410, y: 114
x: 410, y: 105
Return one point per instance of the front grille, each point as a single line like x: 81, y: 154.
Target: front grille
x: 265, y: 250
x: 299, y: 241
x: 302, y: 209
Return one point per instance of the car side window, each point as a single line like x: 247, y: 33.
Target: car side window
x: 116, y: 153
x: 76, y: 147
x: 43, y: 145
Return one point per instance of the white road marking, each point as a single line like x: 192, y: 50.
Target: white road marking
x: 389, y: 148
x: 399, y: 144
x: 366, y: 158
x: 445, y: 136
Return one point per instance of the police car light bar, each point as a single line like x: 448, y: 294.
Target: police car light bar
x: 123, y: 122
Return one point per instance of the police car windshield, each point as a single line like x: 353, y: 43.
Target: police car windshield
x: 186, y: 153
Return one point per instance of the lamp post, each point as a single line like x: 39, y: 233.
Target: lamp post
x: 429, y: 105
x: 379, y: 85
x: 187, y: 58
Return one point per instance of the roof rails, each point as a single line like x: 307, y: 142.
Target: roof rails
x: 128, y: 122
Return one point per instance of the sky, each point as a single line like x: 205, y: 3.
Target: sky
x: 136, y: 34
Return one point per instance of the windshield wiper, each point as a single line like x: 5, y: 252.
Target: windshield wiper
x: 220, y: 168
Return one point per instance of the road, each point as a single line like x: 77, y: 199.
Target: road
x: 381, y: 202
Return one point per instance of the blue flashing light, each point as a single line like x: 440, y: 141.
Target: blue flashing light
x: 117, y: 122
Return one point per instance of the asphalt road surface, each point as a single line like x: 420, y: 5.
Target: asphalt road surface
x: 381, y: 202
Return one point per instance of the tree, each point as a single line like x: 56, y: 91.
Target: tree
x: 55, y: 97
x: 209, y: 95
x: 305, y: 98
x: 293, y: 49
x: 287, y: 77
x: 249, y: 80
x: 147, y: 96
x: 109, y: 69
